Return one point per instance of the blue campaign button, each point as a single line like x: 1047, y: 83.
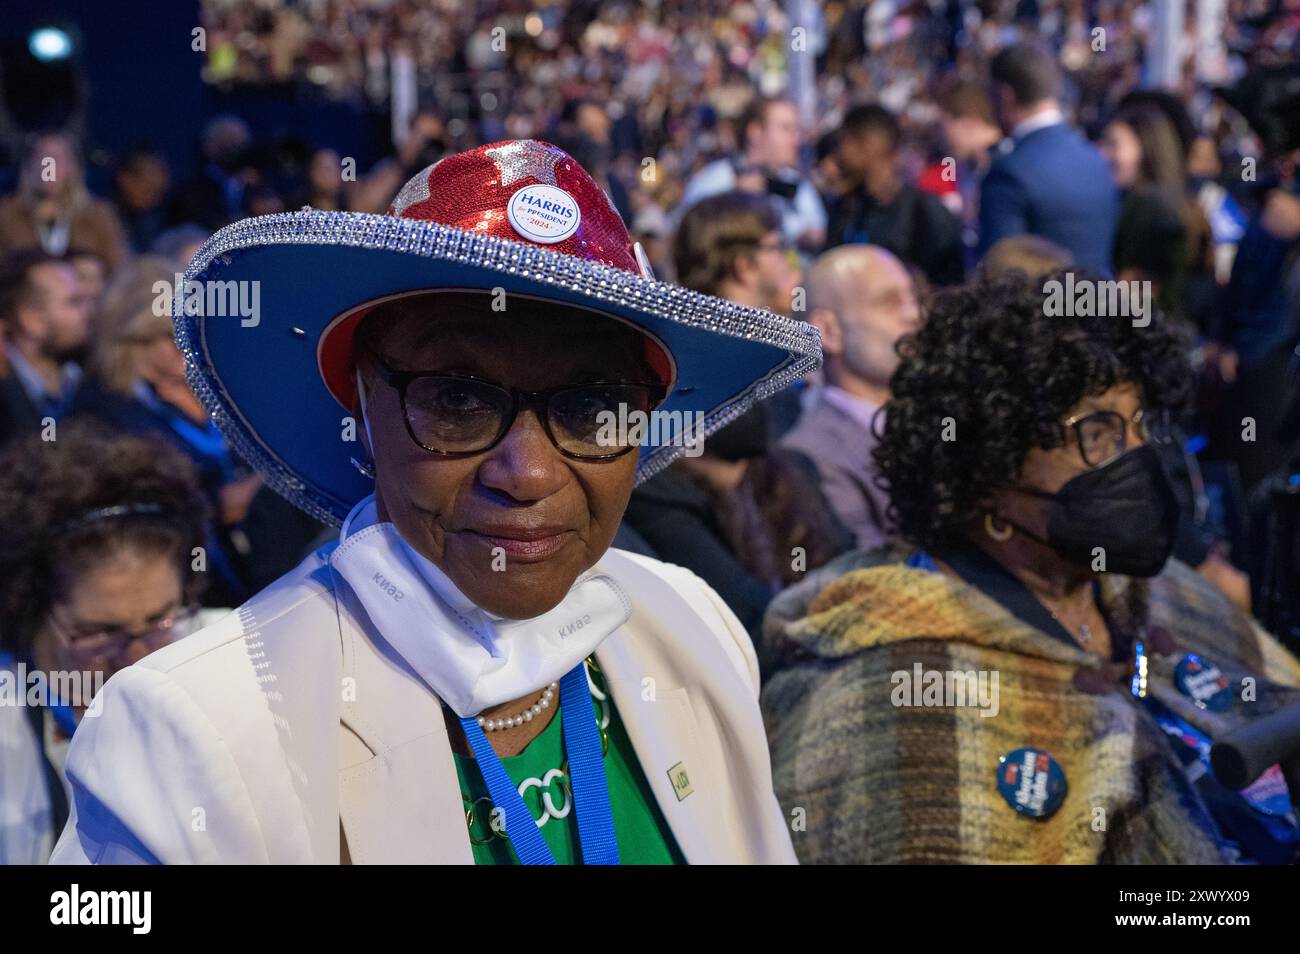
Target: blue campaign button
x: 1032, y: 782
x: 1202, y: 682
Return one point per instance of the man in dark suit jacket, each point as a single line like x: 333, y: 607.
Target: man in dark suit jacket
x: 216, y: 195
x: 18, y: 416
x: 1052, y: 183
x: 45, y: 320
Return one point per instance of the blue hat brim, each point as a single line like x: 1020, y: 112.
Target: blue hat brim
x: 259, y: 378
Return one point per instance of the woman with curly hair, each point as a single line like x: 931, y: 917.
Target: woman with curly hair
x: 1022, y: 677
x: 98, y: 538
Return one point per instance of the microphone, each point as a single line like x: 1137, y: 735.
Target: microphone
x: 1243, y: 754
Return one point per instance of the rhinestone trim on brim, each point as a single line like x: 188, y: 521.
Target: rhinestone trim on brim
x: 592, y: 280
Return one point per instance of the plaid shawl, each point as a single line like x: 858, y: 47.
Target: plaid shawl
x: 880, y: 783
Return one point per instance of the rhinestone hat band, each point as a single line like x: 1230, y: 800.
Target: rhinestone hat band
x: 600, y: 282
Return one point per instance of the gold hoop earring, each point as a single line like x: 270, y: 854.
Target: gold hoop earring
x: 1001, y: 536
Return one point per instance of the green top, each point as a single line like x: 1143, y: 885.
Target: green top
x: 643, y: 836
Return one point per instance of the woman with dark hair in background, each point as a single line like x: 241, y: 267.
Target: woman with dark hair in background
x: 1038, y: 522
x: 1163, y: 236
x: 323, y: 188
x: 98, y: 538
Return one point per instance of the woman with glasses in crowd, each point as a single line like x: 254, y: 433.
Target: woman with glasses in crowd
x: 98, y: 538
x: 470, y: 674
x: 1026, y: 676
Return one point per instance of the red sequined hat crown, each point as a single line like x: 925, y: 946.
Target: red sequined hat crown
x: 524, y: 190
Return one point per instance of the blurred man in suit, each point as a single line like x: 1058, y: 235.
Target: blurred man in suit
x: 46, y: 320
x: 862, y: 300
x: 1052, y: 182
x: 217, y: 194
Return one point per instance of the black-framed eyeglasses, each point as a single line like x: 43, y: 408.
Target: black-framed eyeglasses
x: 1103, y: 435
x: 455, y: 415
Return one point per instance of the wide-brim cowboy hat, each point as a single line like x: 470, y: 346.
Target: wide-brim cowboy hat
x: 271, y: 358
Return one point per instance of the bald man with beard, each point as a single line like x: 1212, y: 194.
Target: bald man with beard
x: 862, y: 300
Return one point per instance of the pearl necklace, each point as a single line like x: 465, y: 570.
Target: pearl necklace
x: 509, y: 722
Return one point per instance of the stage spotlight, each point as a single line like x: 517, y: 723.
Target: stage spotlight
x: 49, y: 44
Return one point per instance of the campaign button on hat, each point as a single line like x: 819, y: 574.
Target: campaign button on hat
x: 1202, y: 682
x: 543, y: 213
x: 1032, y: 782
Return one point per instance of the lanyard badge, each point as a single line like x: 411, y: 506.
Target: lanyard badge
x: 586, y: 774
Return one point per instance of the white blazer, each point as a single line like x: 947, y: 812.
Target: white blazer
x: 27, y: 831
x: 26, y: 827
x: 264, y: 737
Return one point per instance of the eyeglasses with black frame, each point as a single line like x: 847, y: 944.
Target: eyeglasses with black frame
x: 1102, y: 436
x: 456, y: 415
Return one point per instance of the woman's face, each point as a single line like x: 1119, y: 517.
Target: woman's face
x: 126, y: 595
x: 1050, y: 470
x: 160, y: 362
x: 1123, y: 150
x: 512, y: 526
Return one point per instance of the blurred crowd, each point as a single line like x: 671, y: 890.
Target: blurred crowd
x: 947, y: 142
x: 673, y: 78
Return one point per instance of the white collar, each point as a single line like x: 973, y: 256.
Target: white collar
x: 1048, y: 117
x: 858, y: 408
x: 366, y: 514
x: 33, y: 384
x: 471, y: 659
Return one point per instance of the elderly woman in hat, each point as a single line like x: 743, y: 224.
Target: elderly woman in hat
x: 470, y: 385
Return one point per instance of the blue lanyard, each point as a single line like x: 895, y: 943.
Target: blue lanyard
x: 586, y: 774
x: 64, y: 717
x: 205, y: 440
